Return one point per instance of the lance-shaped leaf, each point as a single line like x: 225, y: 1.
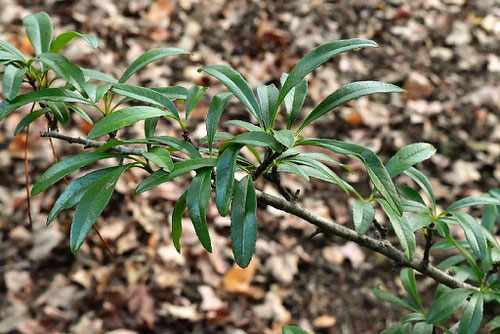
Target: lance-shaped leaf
x: 8, y: 57
x: 294, y: 100
x: 285, y: 137
x: 12, y: 80
x: 400, y: 302
x: 490, y: 215
x: 194, y: 95
x: 172, y: 92
x: 96, y: 75
x: 446, y: 304
x: 317, y: 57
x: 244, y: 221
x: 473, y: 315
x: 236, y: 85
x: 47, y: 94
x: 215, y: 111
x: 257, y: 138
x: 362, y: 215
x: 409, y: 193
x: 63, y: 39
x: 292, y: 168
x: 423, y: 327
x: 147, y: 58
x: 473, y: 233
x: 177, y: 214
x: 96, y: 92
x: 471, y: 201
x: 423, y: 182
x: 407, y: 277
x: 150, y: 126
x: 28, y: 119
x: 64, y: 167
x: 197, y: 199
x: 9, y: 48
x: 402, y: 229
x: 92, y: 204
x: 60, y: 112
x: 224, y: 178
x: 409, y: 156
x: 40, y: 31
x: 245, y: 125
x: 74, y: 192
x: 124, y: 117
x: 268, y: 96
x: 180, y: 168
x: 293, y: 330
x: 80, y: 112
x: 347, y: 93
x: 146, y: 95
x: 177, y: 144
x: 161, y: 157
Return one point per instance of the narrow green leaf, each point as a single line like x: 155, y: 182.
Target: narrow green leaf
x: 317, y: 57
x: 473, y: 315
x: 92, y: 204
x: 461, y: 247
x: 394, y: 329
x: 291, y: 168
x: 423, y: 328
x: 294, y: 100
x: 147, y: 58
x: 12, y: 50
x: 161, y: 157
x: 257, y: 138
x: 420, y: 220
x: 219, y: 136
x: 412, y: 206
x: 362, y: 215
x: 122, y: 118
x: 194, y: 95
x: 60, y: 112
x: 471, y: 201
x: 63, y: 39
x: 409, y: 193
x: 495, y: 322
x: 74, y: 192
x: 450, y: 261
x: 268, y: 95
x: 172, y: 92
x: 285, y: 137
x: 177, y: 214
x: 197, y: 199
x: 178, y: 144
x: 388, y: 297
x: 244, y: 221
x: 402, y: 229
x: 236, y: 85
x: 96, y: 92
x: 64, y: 167
x: 8, y: 57
x: 473, y: 233
x: 347, y: 93
x: 40, y: 31
x: 409, y: 156
x: 413, y: 317
x: 47, y: 94
x: 80, y: 112
x: 12, y: 80
x: 146, y: 95
x: 245, y: 125
x: 446, y: 304
x: 490, y: 215
x: 28, y: 119
x: 293, y: 330
x: 407, y: 277
x: 96, y: 75
x: 150, y: 126
x: 224, y: 178
x: 180, y: 168
x: 215, y: 111
x: 423, y: 182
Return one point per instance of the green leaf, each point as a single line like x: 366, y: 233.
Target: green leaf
x: 294, y: 100
x: 150, y: 126
x: 291, y: 168
x: 473, y: 200
x: 80, y: 112
x: 122, y: 118
x: 407, y: 277
x: 245, y: 125
x: 74, y: 192
x: 413, y: 317
x: 12, y: 80
x: 420, y: 220
x: 450, y: 261
x: 63, y: 39
x: 12, y: 50
x: 285, y: 137
x: 386, y: 296
x: 446, y: 304
x: 362, y: 215
x: 244, y: 221
x: 96, y: 75
x: 28, y: 119
x: 293, y: 330
x: 423, y: 182
x: 268, y: 96
x: 224, y: 178
x: 257, y: 138
x: 194, y: 95
x: 397, y: 328
x: 180, y: 168
x: 409, y: 193
x: 495, y: 322
x: 147, y: 58
x: 172, y: 92
x: 197, y: 199
x: 412, y: 206
x: 215, y: 111
x: 92, y: 204
x: 409, y: 156
x: 219, y: 136
x: 64, y: 167
x: 60, y: 112
x: 473, y: 233
x: 236, y: 85
x: 402, y: 229
x: 40, y: 31
x: 490, y: 215
x: 146, y: 95
x: 347, y: 93
x: 47, y: 94
x: 376, y: 170
x: 316, y: 58
x: 8, y: 57
x: 178, y: 144
x: 423, y: 328
x: 161, y: 157
x: 96, y: 92
x: 473, y: 315
x: 177, y: 214
x: 463, y: 251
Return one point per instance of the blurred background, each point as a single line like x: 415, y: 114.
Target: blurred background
x: 446, y: 53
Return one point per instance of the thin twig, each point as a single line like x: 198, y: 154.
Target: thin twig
x: 104, y: 242
x: 265, y: 164
x: 276, y: 182
x: 381, y: 229
x: 428, y: 244
x: 26, y: 172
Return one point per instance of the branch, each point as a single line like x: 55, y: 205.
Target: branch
x: 383, y: 247
x: 266, y: 163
